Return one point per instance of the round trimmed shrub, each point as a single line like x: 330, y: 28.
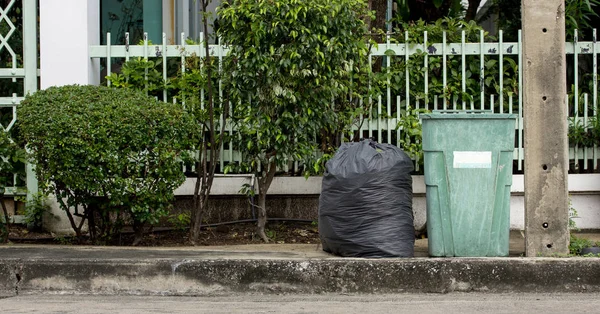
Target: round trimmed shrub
x: 107, y: 153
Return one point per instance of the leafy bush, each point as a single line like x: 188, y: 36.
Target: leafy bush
x: 109, y: 154
x: 576, y: 244
x: 584, y: 136
x: 12, y: 159
x: 594, y: 130
x: 412, y: 139
x: 140, y: 74
x: 34, y: 211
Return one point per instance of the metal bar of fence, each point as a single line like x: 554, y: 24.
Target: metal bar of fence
x: 463, y: 83
x: 183, y: 52
x: 146, y: 59
x: 576, y: 90
x: 370, y: 105
x: 585, y: 126
x: 519, y: 68
x: 454, y: 101
x: 10, y: 101
x: 595, y: 95
x: 201, y: 63
x: 388, y: 61
x: 444, y: 73
x: 10, y: 73
x: 389, y: 99
x: 164, y: 64
x: 501, y: 70
x: 127, y: 53
x: 406, y: 71
x: 426, y: 67
x: 379, y: 123
x: 576, y: 72
x: 452, y: 49
x: 575, y: 148
x: 221, y: 104
x: 398, y: 49
x: 482, y: 72
x: 108, y: 59
x: 398, y: 116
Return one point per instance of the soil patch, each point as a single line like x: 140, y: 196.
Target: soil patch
x: 235, y: 234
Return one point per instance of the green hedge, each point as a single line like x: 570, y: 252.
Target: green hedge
x: 112, y: 153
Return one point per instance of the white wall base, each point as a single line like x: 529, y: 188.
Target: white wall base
x: 585, y: 197
x: 584, y: 190
x: 56, y: 221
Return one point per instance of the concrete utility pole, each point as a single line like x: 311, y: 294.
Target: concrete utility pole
x: 545, y: 127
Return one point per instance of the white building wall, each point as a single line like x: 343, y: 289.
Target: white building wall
x: 67, y: 29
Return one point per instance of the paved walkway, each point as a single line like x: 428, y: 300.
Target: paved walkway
x: 472, y: 303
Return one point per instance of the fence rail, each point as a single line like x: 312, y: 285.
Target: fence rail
x: 386, y: 109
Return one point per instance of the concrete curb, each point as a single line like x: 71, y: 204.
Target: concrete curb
x: 207, y: 276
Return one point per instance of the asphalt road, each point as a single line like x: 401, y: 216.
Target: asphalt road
x: 398, y: 303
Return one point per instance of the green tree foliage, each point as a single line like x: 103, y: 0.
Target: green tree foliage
x: 579, y: 14
x: 430, y: 11
x: 108, y: 154
x: 289, y: 60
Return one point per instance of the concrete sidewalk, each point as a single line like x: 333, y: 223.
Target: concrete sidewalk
x: 280, y: 268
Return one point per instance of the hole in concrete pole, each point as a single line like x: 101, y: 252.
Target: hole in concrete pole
x: 545, y: 225
x: 544, y: 98
x: 549, y: 246
x: 545, y: 167
x: 544, y: 30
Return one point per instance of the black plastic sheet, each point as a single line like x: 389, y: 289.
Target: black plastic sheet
x: 365, y: 207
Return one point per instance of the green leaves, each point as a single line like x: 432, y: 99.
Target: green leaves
x: 92, y: 143
x: 411, y: 139
x: 140, y: 74
x: 12, y: 160
x: 290, y: 65
x: 584, y: 136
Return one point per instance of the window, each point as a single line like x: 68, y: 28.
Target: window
x: 154, y: 17
x: 133, y: 16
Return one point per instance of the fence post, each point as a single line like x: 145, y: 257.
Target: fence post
x: 545, y: 127
x: 30, y: 62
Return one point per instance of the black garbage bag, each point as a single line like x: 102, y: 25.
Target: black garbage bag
x: 365, y: 207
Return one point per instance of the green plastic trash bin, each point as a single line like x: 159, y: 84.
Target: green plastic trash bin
x: 468, y: 174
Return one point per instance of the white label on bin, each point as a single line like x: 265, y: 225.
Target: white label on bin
x: 472, y: 160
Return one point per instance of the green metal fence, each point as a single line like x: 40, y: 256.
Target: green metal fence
x: 18, y: 73
x: 484, y: 74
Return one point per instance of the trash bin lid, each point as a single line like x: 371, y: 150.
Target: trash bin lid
x: 466, y: 114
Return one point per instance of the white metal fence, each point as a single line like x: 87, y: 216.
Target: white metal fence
x: 473, y: 68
